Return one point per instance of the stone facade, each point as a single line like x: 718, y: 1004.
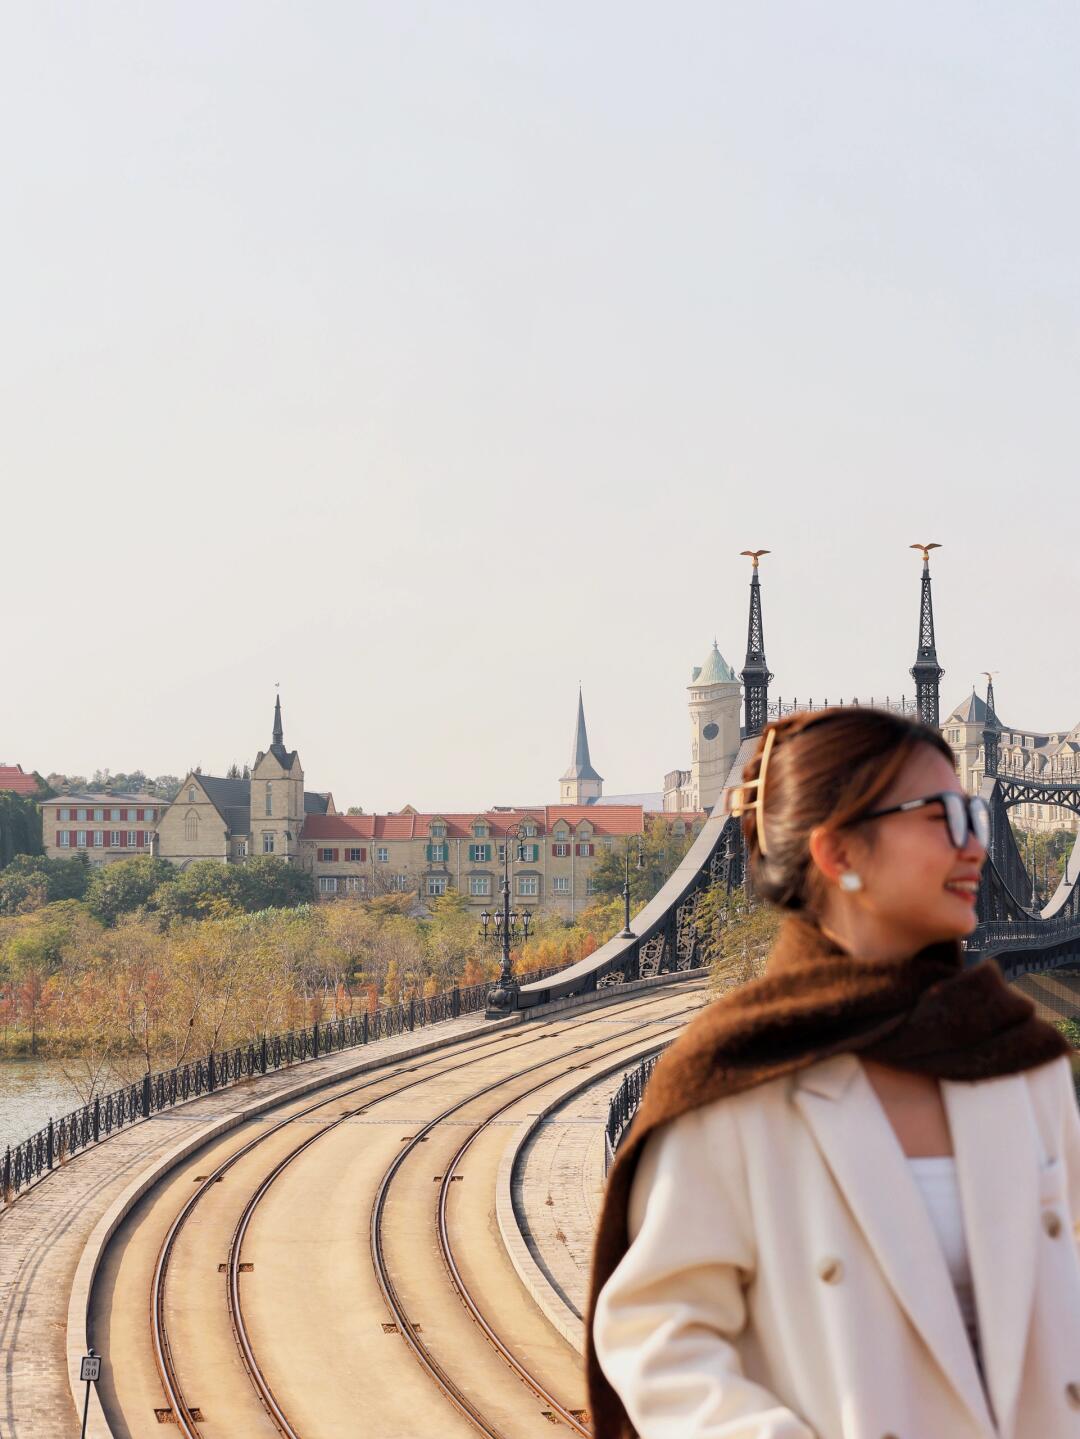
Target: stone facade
x: 429, y: 854
x: 1028, y: 754
x: 103, y: 826
x: 715, y: 707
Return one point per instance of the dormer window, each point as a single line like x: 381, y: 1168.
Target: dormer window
x: 529, y: 831
x: 438, y: 830
x: 191, y: 795
x: 480, y: 830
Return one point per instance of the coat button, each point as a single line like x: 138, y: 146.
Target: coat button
x: 1072, y: 1394
x: 1051, y: 1223
x: 831, y: 1270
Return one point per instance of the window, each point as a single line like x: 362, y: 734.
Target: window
x: 80, y: 838
x: 479, y: 853
x: 115, y: 813
x: 190, y: 798
x: 269, y: 800
x: 241, y: 849
x: 114, y: 839
x: 132, y: 839
x: 530, y: 853
x: 399, y: 882
x: 529, y: 830
x: 99, y: 839
x: 586, y: 851
x: 479, y: 884
x: 80, y: 814
x: 561, y: 884
x: 129, y: 815
x: 528, y: 884
x: 327, y: 856
x: 191, y: 826
x: 65, y: 814
x: 151, y: 814
x: 356, y: 856
x: 436, y: 884
x: 145, y: 840
x: 99, y: 814
x: 590, y: 886
x: 382, y: 854
x: 438, y: 830
x: 328, y: 884
x: 561, y: 832
x: 355, y: 884
x: 438, y: 853
x: 268, y: 841
x: 63, y: 838
x: 480, y: 830
x: 560, y: 851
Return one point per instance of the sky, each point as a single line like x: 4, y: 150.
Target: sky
x: 428, y: 359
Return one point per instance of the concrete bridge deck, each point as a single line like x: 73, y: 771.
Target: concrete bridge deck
x: 54, y: 1237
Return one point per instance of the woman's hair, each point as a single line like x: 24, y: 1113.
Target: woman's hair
x: 827, y: 769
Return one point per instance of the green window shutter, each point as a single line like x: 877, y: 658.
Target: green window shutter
x: 428, y: 849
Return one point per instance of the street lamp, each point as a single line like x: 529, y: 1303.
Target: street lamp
x: 639, y: 863
x: 507, y: 926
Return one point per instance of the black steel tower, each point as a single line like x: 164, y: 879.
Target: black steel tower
x: 755, y: 675
x: 926, y: 672
x: 991, y: 732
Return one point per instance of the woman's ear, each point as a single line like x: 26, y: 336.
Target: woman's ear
x: 830, y: 850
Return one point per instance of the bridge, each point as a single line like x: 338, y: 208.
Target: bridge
x: 1021, y: 937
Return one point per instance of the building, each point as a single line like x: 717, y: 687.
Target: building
x: 218, y: 817
x: 715, y: 711
x: 429, y: 854
x: 103, y: 826
x: 1028, y: 754
x: 15, y: 780
x: 580, y: 784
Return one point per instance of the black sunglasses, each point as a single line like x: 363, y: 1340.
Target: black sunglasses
x: 965, y: 815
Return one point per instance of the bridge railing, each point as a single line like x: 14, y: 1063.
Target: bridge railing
x: 106, y: 1114
x: 624, y: 1104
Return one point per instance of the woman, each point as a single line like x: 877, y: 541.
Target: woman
x: 848, y: 1205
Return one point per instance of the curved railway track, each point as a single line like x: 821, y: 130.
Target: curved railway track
x: 641, y: 1029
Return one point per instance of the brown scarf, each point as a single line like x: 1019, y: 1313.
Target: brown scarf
x: 925, y: 1013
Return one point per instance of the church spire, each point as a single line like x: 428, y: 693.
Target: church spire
x: 755, y: 675
x: 580, y: 784
x: 278, y: 742
x: 926, y: 672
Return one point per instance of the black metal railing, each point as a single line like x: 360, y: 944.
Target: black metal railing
x: 624, y: 1104
x: 107, y: 1113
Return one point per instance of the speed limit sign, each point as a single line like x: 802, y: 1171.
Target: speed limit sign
x: 90, y: 1369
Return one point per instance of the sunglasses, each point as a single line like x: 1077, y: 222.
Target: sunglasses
x: 965, y: 815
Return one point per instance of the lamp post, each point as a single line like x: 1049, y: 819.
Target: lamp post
x: 639, y: 863
x: 505, y: 927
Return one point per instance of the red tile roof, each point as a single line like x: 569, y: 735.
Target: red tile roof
x: 608, y: 819
x: 13, y: 778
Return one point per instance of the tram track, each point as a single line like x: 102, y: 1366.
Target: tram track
x: 185, y: 1414
x: 407, y: 1325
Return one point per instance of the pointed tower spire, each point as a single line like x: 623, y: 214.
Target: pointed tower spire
x: 580, y: 784
x: 991, y: 731
x: 278, y: 742
x: 755, y: 675
x: 926, y: 672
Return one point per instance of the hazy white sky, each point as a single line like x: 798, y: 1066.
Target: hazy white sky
x: 429, y: 358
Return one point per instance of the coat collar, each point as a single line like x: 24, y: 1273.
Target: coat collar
x: 996, y: 1153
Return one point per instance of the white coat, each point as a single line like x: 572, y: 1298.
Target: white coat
x: 784, y: 1279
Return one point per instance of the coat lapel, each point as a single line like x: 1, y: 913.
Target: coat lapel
x: 861, y: 1150
x: 997, y: 1160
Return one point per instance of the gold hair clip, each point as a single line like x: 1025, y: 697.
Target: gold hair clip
x: 740, y: 804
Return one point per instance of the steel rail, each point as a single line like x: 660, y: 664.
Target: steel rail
x: 163, y: 1356
x: 427, y: 1360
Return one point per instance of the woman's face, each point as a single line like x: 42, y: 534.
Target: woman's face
x: 916, y: 884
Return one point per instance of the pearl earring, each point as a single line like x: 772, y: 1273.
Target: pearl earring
x: 850, y: 881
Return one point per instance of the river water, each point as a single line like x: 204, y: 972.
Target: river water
x: 31, y: 1092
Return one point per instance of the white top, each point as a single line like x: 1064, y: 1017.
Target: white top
x: 936, y: 1178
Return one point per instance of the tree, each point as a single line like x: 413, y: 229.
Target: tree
x: 20, y: 826
x: 123, y: 887
x: 661, y: 851
x: 31, y: 881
